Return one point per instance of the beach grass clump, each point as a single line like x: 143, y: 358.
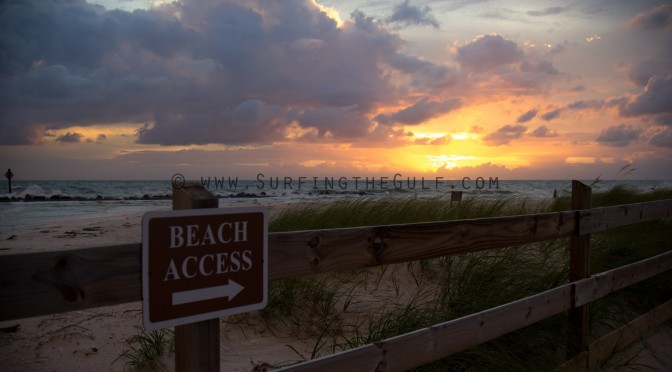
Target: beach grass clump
x: 478, y: 281
x: 309, y: 309
x: 146, y: 350
x: 392, y: 319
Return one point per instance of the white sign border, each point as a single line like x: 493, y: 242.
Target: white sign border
x: 214, y: 314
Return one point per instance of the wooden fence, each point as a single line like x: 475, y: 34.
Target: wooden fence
x: 59, y: 281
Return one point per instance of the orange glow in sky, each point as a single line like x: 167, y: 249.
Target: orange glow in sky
x: 517, y: 90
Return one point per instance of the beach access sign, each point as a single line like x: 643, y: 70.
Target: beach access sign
x: 201, y: 264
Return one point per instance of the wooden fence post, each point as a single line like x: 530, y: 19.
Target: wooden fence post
x: 196, y: 344
x: 579, y: 268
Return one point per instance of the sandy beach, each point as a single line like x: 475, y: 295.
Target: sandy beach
x: 95, y: 339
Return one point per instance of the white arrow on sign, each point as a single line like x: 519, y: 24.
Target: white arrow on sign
x: 230, y: 290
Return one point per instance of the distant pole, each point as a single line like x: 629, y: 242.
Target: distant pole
x: 9, y: 176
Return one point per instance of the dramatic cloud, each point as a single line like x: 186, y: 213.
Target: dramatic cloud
x: 618, y: 136
x: 657, y: 18
x: 409, y: 15
x: 419, y: 112
x: 488, y: 52
x: 656, y: 98
x: 199, y: 72
x: 524, y: 118
x: 505, y: 64
x: 341, y: 83
x: 504, y: 135
x: 543, y: 132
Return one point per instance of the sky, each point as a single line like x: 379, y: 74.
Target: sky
x: 137, y: 89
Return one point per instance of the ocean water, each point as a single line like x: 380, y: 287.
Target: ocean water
x: 44, y: 203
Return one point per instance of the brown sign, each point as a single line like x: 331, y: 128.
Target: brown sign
x: 201, y: 264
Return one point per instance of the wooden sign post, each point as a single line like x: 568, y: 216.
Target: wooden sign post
x: 196, y: 344
x: 200, y: 263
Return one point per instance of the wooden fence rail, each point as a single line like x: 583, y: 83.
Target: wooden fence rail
x: 426, y: 345
x: 58, y: 281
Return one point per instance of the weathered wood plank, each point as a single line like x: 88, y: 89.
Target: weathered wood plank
x: 52, y: 282
x: 300, y: 253
x: 439, y: 341
x: 601, y: 219
x: 602, y: 284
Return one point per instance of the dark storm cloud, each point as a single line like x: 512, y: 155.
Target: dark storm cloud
x: 230, y: 72
x: 406, y: 14
x: 504, y: 135
x: 618, y: 136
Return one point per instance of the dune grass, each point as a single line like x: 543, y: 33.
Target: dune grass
x: 146, y: 350
x: 390, y: 210
x: 445, y: 288
x: 338, y: 311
